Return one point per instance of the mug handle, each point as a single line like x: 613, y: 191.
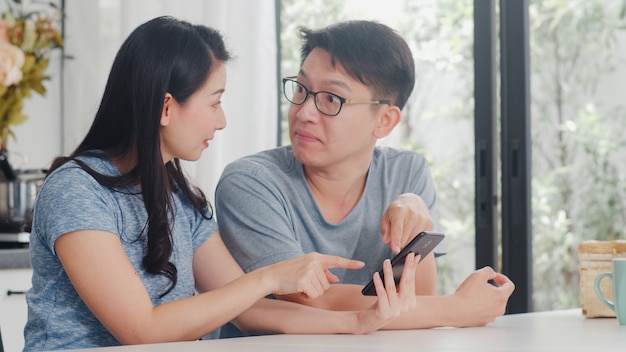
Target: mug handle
x: 600, y: 294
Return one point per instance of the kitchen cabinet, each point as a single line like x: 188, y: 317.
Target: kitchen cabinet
x: 13, y: 312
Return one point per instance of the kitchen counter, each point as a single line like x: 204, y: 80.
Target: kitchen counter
x: 14, y: 258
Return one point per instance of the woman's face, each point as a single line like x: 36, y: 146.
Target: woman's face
x: 186, y: 129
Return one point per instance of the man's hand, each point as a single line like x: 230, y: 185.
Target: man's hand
x: 404, y: 218
x: 481, y: 302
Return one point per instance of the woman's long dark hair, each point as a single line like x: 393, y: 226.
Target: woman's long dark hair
x: 164, y: 55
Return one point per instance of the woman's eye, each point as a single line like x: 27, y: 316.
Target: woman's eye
x: 218, y: 104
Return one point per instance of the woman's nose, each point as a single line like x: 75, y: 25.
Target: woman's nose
x: 221, y: 122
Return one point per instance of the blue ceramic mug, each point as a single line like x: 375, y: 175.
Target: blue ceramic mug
x: 618, y: 275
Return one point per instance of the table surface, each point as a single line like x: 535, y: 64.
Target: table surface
x: 566, y: 330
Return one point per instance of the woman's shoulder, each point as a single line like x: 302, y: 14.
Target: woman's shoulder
x: 95, y: 160
x: 73, y: 175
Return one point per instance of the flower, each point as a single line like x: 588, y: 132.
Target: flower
x: 26, y: 39
x: 4, y: 31
x: 11, y: 62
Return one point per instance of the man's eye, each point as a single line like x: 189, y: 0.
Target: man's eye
x: 331, y: 99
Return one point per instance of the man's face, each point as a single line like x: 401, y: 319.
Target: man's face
x: 321, y: 141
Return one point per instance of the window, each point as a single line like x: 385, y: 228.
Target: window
x: 576, y: 110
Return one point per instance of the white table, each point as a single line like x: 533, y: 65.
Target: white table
x: 566, y: 330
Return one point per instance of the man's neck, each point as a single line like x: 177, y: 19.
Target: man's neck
x: 337, y: 190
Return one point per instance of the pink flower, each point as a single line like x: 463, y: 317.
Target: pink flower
x: 4, y: 31
x: 11, y: 62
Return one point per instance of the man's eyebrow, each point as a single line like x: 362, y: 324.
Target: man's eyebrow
x: 332, y: 82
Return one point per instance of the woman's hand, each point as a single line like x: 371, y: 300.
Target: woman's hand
x: 391, y: 301
x: 307, y: 275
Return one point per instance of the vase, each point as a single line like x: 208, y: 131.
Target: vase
x: 7, y: 170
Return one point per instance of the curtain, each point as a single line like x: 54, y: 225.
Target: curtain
x: 96, y: 29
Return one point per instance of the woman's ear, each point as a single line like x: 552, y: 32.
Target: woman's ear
x: 387, y: 121
x: 166, y: 114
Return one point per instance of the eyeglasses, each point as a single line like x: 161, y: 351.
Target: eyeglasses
x: 327, y: 103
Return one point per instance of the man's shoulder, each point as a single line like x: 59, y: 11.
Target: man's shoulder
x: 274, y: 160
x: 397, y: 155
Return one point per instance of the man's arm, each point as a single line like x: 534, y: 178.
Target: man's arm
x: 253, y: 217
x: 475, y: 303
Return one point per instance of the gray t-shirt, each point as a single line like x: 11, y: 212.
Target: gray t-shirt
x: 71, y: 200
x: 266, y: 212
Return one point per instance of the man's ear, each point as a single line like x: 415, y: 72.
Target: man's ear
x: 166, y: 114
x: 387, y: 121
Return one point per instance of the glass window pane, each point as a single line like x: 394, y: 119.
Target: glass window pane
x: 578, y: 144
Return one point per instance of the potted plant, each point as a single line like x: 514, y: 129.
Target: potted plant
x: 27, y: 36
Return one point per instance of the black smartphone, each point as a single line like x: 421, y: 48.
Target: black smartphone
x: 422, y: 244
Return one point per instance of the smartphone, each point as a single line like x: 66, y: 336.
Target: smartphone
x: 422, y: 244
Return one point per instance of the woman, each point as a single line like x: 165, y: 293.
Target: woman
x: 121, y: 241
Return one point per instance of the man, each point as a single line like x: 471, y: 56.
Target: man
x: 334, y: 192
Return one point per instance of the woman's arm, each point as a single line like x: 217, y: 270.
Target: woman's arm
x: 107, y: 282
x: 214, y: 267
x: 348, y: 297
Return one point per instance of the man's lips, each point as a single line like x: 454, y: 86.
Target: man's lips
x: 307, y: 137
